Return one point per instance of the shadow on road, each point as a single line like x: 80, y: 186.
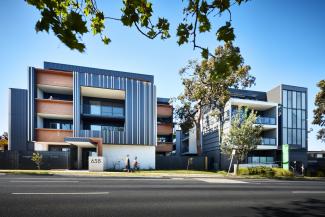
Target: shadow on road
x: 308, y: 207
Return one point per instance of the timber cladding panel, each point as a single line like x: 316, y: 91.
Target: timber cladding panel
x: 164, y: 129
x: 52, y: 135
x: 164, y: 111
x: 54, y: 78
x: 164, y: 147
x: 58, y: 107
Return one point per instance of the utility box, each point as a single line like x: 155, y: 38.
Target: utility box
x: 96, y: 164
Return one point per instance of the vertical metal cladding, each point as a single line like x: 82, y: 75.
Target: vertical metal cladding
x: 140, y: 106
x: 31, y: 121
x: 18, y: 119
x: 76, y: 105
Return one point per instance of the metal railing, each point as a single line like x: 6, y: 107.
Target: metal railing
x: 108, y: 136
x: 265, y: 120
x: 269, y: 141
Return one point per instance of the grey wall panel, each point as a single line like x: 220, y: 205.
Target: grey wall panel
x: 82, y: 69
x: 140, y: 106
x: 18, y: 119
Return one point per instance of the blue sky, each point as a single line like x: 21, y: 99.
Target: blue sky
x: 282, y: 40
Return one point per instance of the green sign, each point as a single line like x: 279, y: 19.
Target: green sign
x: 285, y: 156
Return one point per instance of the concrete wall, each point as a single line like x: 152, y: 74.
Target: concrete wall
x: 114, y: 153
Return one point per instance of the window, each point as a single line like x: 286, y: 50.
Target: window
x: 299, y: 100
x: 294, y: 118
x: 285, y: 117
x: 294, y: 99
x: 294, y: 136
x: 263, y: 160
x: 303, y: 100
x: 118, y: 111
x: 289, y: 136
x: 269, y: 159
x: 303, y: 137
x: 55, y: 125
x: 66, y: 126
x: 95, y: 127
x: 289, y: 99
x: 298, y: 136
x: 290, y: 118
x: 94, y: 107
x: 298, y: 118
x: 107, y: 109
x: 285, y: 98
x: 303, y: 120
x: 285, y: 136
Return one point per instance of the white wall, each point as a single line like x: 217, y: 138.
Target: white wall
x: 192, y: 147
x: 40, y: 147
x: 114, y: 153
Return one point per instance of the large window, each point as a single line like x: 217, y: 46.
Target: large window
x: 294, y: 118
x: 58, y: 124
x: 108, y: 108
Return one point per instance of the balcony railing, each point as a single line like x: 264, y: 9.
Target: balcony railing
x: 108, y: 136
x: 265, y: 120
x: 269, y: 141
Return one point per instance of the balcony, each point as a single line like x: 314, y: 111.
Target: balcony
x: 164, y: 111
x: 108, y: 136
x: 269, y: 141
x: 265, y: 120
x: 54, y: 108
x: 52, y: 135
x: 164, y: 147
x: 164, y: 129
x: 54, y: 78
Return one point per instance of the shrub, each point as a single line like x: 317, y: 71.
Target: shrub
x: 320, y: 173
x: 278, y: 172
x: 261, y: 170
x: 243, y: 171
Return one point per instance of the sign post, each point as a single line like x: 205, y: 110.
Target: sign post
x: 96, y: 164
x: 232, y: 157
x: 285, y: 156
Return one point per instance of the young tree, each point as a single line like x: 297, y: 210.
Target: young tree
x: 37, y: 158
x: 319, y: 111
x: 243, y: 137
x: 71, y: 19
x: 206, y: 86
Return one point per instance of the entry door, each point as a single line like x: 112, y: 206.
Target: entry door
x: 85, y: 154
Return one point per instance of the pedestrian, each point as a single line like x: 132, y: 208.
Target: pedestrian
x: 135, y: 164
x: 302, y: 170
x: 127, y: 163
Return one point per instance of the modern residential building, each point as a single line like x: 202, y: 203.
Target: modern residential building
x: 164, y: 127
x: 89, y: 111
x: 282, y: 112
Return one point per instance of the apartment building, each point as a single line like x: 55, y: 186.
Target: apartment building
x: 164, y: 127
x: 282, y: 113
x: 90, y: 111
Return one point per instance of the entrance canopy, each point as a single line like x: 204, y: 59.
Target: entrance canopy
x: 81, y: 142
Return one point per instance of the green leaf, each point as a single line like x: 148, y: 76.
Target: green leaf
x: 226, y: 33
x: 205, y: 53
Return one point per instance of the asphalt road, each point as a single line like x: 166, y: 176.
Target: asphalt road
x: 58, y: 196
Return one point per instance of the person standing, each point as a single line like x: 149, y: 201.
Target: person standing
x: 127, y: 163
x: 135, y: 164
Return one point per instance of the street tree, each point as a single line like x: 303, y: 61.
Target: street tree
x: 243, y: 137
x: 37, y: 158
x: 70, y: 20
x: 319, y: 111
x: 206, y: 86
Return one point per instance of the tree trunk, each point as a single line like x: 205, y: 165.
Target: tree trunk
x: 198, y: 138
x: 221, y: 123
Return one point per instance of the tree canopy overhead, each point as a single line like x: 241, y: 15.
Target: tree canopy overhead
x: 71, y: 19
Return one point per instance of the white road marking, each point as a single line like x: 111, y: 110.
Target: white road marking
x: 308, y: 192
x: 222, y: 181
x: 38, y: 181
x: 60, y: 193
x: 177, y: 178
